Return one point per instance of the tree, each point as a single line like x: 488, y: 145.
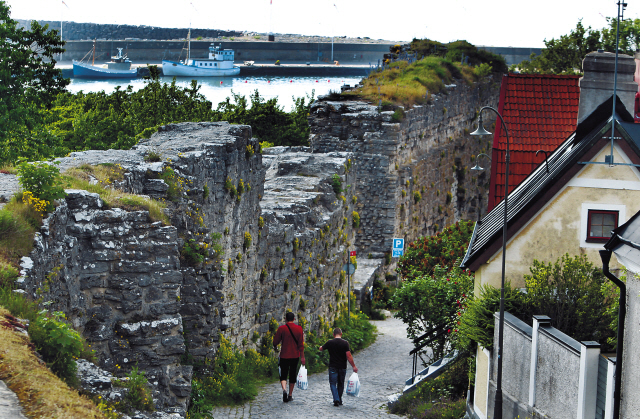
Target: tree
x: 29, y: 82
x: 434, y: 301
x: 564, y: 55
x: 629, y: 36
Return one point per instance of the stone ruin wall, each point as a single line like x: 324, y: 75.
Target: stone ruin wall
x: 429, y: 151
x: 119, y: 277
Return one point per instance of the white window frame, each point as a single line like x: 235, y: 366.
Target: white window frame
x: 584, y: 220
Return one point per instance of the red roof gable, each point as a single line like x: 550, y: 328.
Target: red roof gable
x: 541, y: 111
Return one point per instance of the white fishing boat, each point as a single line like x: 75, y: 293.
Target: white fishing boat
x: 219, y: 64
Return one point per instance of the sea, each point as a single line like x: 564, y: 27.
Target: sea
x: 217, y: 89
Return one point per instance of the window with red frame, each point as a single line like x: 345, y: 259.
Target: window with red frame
x: 600, y: 225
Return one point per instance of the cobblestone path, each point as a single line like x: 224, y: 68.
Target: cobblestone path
x: 383, y: 368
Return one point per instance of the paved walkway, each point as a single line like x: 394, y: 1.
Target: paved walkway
x: 9, y: 407
x: 383, y: 368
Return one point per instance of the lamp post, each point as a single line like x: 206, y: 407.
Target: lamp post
x: 497, y: 410
x: 477, y: 167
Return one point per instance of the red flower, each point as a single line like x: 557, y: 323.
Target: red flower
x: 448, y: 279
x: 449, y: 331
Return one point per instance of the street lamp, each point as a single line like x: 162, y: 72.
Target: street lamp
x: 497, y: 410
x: 477, y: 167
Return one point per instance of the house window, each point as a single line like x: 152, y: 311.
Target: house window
x: 600, y: 224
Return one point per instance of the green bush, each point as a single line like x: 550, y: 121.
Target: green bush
x: 431, y: 301
x: 42, y: 180
x: 336, y: 183
x: 232, y: 377
x: 139, y: 395
x: 442, y: 249
x: 476, y: 323
x: 58, y: 344
x: 356, y: 219
x: 193, y: 253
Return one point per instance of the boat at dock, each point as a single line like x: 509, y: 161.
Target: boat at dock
x: 219, y: 64
x: 118, y: 68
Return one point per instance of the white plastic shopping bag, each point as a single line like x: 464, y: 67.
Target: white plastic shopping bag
x: 302, y: 382
x: 353, y: 385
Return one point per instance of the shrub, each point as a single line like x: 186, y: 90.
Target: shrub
x: 573, y: 292
x: 398, y: 115
x: 240, y: 187
x: 230, y: 187
x: 247, y: 240
x: 336, y: 183
x: 232, y: 377
x: 417, y: 196
x: 356, y: 219
x: 260, y: 222
x: 151, y: 156
x: 434, y: 301
x: 205, y: 192
x: 58, y: 344
x: 193, y: 253
x: 441, y: 249
x: 42, y: 180
x: 139, y: 395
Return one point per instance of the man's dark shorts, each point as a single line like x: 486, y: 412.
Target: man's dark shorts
x: 288, y: 366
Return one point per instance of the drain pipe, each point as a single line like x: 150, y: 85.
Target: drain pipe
x: 605, y: 255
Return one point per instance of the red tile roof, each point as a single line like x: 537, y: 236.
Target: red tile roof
x: 541, y: 111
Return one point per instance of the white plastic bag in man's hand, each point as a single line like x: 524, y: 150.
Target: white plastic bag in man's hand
x: 302, y: 382
x: 353, y: 385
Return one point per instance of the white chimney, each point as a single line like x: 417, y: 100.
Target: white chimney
x: 596, y: 85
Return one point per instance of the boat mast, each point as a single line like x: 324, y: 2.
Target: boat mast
x: 188, y: 46
x: 93, y: 60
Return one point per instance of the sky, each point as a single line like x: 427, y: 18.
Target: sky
x: 490, y: 22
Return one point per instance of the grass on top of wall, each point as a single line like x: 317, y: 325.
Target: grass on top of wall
x: 98, y: 179
x: 413, y: 84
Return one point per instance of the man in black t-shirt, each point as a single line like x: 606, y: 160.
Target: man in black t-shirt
x: 339, y: 354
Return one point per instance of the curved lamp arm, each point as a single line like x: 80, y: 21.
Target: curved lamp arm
x: 545, y: 158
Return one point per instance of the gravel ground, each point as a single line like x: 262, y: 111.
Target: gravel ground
x: 383, y: 368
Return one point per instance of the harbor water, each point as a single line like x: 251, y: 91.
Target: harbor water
x: 217, y: 89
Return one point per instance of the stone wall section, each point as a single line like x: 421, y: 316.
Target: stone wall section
x: 125, y: 284
x: 116, y: 275
x: 413, y: 165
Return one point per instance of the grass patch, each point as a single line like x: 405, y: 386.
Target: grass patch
x: 41, y: 393
x: 413, y: 84
x: 79, y: 178
x: 440, y: 398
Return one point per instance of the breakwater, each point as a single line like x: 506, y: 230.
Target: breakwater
x: 141, y: 52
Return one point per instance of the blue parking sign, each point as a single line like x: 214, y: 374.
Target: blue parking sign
x: 397, y: 249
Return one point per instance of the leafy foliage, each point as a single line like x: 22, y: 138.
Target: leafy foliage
x: 477, y: 321
x: 571, y: 291
x: 42, y: 180
x: 58, y: 344
x: 269, y: 122
x: 565, y: 54
x: 139, y: 395
x: 433, y: 301
x: 28, y: 83
x: 442, y: 249
x: 455, y: 51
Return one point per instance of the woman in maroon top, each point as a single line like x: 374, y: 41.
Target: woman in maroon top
x: 292, y: 338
